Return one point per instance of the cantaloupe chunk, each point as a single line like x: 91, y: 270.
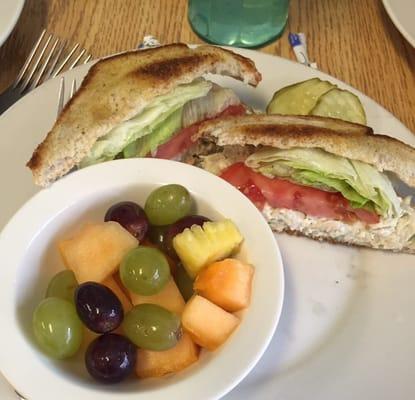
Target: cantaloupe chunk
x: 89, y: 336
x: 122, y: 297
x: 169, y: 297
x: 226, y: 283
x: 158, y: 363
x: 96, y: 251
x: 117, y: 279
x: 208, y: 325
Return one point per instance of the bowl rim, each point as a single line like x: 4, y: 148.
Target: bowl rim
x: 32, y: 218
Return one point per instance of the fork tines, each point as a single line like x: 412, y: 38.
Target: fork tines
x: 50, y: 56
x: 63, y: 97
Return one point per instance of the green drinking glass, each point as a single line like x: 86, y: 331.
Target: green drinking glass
x: 240, y: 23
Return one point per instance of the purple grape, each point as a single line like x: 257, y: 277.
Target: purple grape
x: 98, y: 307
x: 179, y: 227
x: 131, y: 216
x: 110, y: 358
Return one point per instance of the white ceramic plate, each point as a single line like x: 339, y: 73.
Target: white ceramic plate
x: 402, y: 14
x: 348, y: 323
x: 28, y: 243
x: 9, y: 14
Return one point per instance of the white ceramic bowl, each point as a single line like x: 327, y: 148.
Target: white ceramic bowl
x: 29, y: 259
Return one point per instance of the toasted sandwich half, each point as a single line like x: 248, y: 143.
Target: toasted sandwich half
x: 140, y: 103
x: 318, y: 177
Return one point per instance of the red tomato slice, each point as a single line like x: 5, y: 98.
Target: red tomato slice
x: 367, y: 216
x: 180, y: 142
x: 239, y: 176
x: 254, y: 194
x: 280, y: 193
x: 236, y: 109
x: 177, y: 144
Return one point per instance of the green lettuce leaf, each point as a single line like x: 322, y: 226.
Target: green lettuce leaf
x: 360, y: 183
x: 144, y: 123
x: 311, y: 178
x: 161, y: 134
x: 385, y: 193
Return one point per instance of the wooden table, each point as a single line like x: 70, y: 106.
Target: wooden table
x: 353, y: 40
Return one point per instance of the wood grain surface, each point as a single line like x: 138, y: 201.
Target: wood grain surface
x: 353, y: 40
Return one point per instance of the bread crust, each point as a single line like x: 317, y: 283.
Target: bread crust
x: 345, y: 139
x: 331, y: 240
x: 117, y: 88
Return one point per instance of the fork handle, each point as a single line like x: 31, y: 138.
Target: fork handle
x: 8, y: 98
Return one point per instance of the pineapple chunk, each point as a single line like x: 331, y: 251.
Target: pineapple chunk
x: 208, y: 325
x: 169, y: 297
x: 226, y: 283
x: 198, y: 247
x: 96, y: 251
x: 158, y: 363
x: 122, y: 297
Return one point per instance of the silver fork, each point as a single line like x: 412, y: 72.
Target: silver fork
x: 62, y: 99
x: 48, y: 57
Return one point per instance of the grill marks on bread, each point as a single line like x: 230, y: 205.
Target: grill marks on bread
x: 353, y: 141
x: 119, y: 87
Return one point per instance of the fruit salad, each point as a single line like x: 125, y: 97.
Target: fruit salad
x: 145, y: 289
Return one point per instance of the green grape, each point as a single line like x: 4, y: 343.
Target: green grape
x: 152, y: 327
x: 63, y: 285
x: 145, y: 270
x: 183, y: 282
x: 167, y: 204
x: 57, y: 328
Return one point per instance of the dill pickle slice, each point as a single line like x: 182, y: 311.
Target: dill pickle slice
x: 341, y: 104
x: 299, y: 98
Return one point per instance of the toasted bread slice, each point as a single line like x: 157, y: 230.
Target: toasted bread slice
x: 119, y: 87
x: 345, y: 139
x: 229, y: 140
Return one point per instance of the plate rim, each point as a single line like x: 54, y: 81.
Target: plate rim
x: 398, y: 25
